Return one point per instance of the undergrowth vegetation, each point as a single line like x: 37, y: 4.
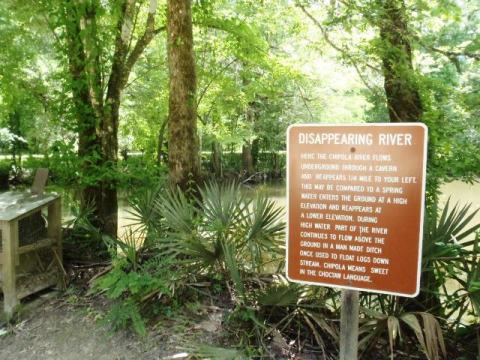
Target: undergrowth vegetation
x: 228, y: 249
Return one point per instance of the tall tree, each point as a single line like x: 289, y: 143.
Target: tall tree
x: 183, y: 147
x: 97, y: 93
x: 403, y: 98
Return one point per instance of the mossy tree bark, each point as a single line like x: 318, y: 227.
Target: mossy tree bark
x: 183, y: 146
x: 401, y: 89
x: 87, y: 116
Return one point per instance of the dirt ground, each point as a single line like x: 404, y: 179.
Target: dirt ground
x: 50, y: 327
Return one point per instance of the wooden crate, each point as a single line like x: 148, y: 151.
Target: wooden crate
x: 30, y: 257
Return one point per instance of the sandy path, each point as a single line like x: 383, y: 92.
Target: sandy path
x: 50, y: 329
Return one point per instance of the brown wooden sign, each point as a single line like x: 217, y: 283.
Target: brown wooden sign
x: 355, y: 205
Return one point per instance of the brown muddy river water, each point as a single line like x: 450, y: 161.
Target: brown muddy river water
x: 458, y: 192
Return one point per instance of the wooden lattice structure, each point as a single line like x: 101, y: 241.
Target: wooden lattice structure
x: 30, y: 246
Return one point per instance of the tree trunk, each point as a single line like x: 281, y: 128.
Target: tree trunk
x: 87, y: 118
x: 255, y: 151
x: 217, y: 159
x: 404, y: 105
x: 275, y: 166
x: 161, y: 138
x: 247, y: 160
x: 184, y: 165
x: 403, y: 98
x: 109, y: 141
x: 97, y: 112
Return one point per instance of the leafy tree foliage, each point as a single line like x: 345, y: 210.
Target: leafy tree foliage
x: 260, y: 66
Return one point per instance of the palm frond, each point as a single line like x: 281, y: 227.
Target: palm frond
x: 231, y: 264
x: 279, y: 295
x: 209, y: 352
x: 222, y: 205
x: 414, y: 324
x: 452, y: 225
x: 177, y: 210
x: 323, y: 324
x: 144, y: 215
x: 393, y: 326
x: 264, y: 229
x: 430, y: 337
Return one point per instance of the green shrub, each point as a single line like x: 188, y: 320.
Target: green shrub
x: 236, y: 244
x: 81, y: 239
x: 224, y: 232
x: 273, y: 163
x: 139, y: 173
x: 69, y: 170
x: 123, y: 314
x: 132, y: 291
x: 5, y: 167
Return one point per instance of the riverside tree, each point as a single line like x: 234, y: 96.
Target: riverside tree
x: 183, y: 156
x: 101, y: 43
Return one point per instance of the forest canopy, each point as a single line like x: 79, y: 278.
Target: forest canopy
x: 87, y: 81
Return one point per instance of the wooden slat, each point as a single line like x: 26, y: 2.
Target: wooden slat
x: 40, y: 244
x: 10, y: 244
x: 36, y: 284
x: 17, y: 205
x: 55, y: 232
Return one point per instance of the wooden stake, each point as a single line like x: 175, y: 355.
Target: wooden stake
x: 349, y: 325
x: 10, y: 248
x: 55, y: 233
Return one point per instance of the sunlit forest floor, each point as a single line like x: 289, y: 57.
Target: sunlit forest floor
x: 55, y: 326
x: 68, y: 327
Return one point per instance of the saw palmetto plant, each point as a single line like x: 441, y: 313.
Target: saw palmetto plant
x: 450, y: 261
x: 223, y: 236
x: 450, y: 288
x: 221, y: 225
x: 225, y: 232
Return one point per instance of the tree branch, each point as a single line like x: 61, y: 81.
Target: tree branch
x: 305, y: 101
x: 205, y: 89
x: 451, y: 55
x: 124, y: 32
x: 144, y: 40
x: 344, y: 51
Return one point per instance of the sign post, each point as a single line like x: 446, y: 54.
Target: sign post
x: 349, y: 325
x: 355, y: 211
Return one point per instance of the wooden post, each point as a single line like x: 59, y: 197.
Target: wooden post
x: 349, y: 325
x: 55, y: 233
x: 10, y: 246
